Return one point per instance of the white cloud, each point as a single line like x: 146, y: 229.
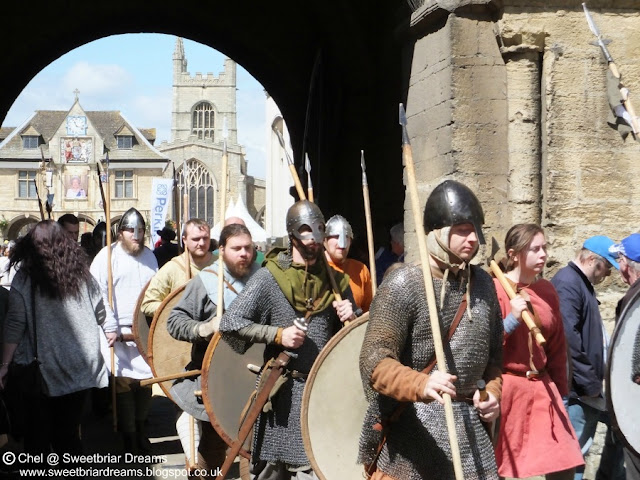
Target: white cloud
x: 97, y: 81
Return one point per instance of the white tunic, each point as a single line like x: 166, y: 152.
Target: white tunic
x: 130, y: 275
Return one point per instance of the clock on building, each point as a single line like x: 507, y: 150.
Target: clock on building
x: 76, y: 125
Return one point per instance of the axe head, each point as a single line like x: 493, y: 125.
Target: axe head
x: 495, y: 248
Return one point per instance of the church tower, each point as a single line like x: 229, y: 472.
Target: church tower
x: 201, y: 107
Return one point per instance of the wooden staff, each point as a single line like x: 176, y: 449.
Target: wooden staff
x: 35, y: 184
x: 526, y: 316
x: 367, y: 216
x: 173, y: 376
x: 107, y: 211
x: 175, y: 199
x: 428, y: 285
x: 223, y: 202
x: 185, y: 218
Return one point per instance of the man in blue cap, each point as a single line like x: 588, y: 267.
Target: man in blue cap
x: 587, y: 341
x: 628, y: 255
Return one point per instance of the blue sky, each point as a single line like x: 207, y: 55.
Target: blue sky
x: 132, y: 73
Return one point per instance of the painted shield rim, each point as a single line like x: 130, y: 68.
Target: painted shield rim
x: 138, y: 316
x: 324, y: 353
x: 204, y: 379
x: 617, y: 333
x: 154, y: 323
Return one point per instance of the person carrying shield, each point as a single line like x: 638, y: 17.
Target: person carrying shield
x: 194, y: 320
x: 172, y: 275
x: 289, y: 305
x: 132, y: 265
x: 404, y: 433
x: 337, y: 243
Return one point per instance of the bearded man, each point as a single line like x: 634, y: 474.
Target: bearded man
x: 398, y: 348
x: 293, y: 283
x: 194, y: 320
x: 132, y: 265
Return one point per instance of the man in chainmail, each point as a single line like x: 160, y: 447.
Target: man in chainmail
x: 271, y: 308
x: 398, y: 345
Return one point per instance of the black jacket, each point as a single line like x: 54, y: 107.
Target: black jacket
x: 583, y: 329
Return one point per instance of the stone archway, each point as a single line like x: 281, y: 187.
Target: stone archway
x: 339, y: 65
x: 19, y: 226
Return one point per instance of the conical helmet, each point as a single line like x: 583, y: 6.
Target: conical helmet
x: 340, y: 227
x: 132, y: 220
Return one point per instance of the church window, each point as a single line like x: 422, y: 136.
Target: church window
x: 197, y: 183
x: 125, y: 142
x: 26, y: 185
x: 124, y: 183
x: 30, y: 141
x: 202, y: 123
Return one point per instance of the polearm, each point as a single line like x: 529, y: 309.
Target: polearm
x: 407, y: 154
x: 35, y: 184
x: 367, y: 216
x: 176, y: 205
x: 107, y: 211
x: 185, y: 218
x: 48, y: 205
x: 223, y: 207
x: 614, y: 70
x: 307, y: 167
x: 300, y: 190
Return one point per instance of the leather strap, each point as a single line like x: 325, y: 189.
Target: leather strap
x: 386, y: 423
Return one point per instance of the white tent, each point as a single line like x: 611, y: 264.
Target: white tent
x: 240, y: 210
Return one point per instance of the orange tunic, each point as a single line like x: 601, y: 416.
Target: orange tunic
x: 536, y: 436
x: 359, y: 281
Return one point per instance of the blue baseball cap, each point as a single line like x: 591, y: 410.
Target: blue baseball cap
x: 601, y: 245
x: 629, y: 247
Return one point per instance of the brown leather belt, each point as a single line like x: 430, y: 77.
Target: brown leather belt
x: 529, y: 374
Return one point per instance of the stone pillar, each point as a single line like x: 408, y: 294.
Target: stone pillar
x: 457, y: 108
x: 523, y: 65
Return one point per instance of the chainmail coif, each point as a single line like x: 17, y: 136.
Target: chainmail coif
x: 418, y: 443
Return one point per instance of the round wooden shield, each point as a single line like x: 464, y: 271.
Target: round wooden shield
x: 227, y: 385
x: 166, y: 355
x: 141, y: 325
x: 622, y: 391
x: 334, y: 406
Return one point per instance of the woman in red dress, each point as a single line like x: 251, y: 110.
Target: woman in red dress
x: 536, y: 436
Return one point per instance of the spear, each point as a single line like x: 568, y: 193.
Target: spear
x: 35, y: 184
x: 307, y: 166
x: 176, y: 205
x: 185, y: 217
x: 367, y: 215
x: 223, y: 201
x: 292, y: 167
x: 48, y: 173
x: 106, y: 198
x: 602, y: 43
x: 407, y: 154
x: 300, y: 190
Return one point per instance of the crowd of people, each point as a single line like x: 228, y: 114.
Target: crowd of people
x: 521, y: 407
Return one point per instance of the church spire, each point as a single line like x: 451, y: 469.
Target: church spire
x: 179, y: 59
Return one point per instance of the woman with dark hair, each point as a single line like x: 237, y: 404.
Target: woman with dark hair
x: 55, y: 301
x: 536, y: 436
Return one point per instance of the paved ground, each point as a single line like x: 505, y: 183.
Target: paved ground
x: 98, y: 438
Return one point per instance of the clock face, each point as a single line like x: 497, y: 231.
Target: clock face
x: 76, y: 125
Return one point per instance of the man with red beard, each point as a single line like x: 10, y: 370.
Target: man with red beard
x: 132, y: 265
x: 194, y: 320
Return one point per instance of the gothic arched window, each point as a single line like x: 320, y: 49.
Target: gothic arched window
x: 200, y: 190
x: 202, y: 121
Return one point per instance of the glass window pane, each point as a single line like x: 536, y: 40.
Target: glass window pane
x: 22, y: 189
x: 129, y: 189
x: 118, y: 189
x: 128, y: 174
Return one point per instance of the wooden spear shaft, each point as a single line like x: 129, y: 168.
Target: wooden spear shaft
x: 431, y: 297
x: 367, y: 216
x: 107, y: 210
